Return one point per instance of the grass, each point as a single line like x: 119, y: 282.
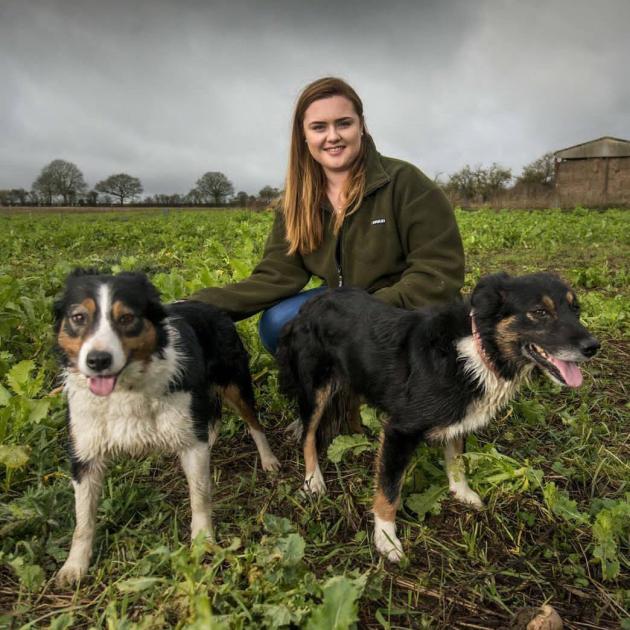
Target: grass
x: 552, y: 469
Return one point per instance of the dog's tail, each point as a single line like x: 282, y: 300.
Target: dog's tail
x: 295, y: 373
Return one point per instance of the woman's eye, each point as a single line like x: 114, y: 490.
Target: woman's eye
x: 78, y: 318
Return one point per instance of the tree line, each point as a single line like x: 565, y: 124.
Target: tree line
x: 62, y: 183
x: 482, y: 184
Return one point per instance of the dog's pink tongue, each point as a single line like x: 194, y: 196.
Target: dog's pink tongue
x: 102, y: 385
x: 570, y: 371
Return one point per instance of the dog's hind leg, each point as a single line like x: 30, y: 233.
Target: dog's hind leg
x: 393, y: 457
x: 456, y: 473
x: 196, y: 464
x: 87, y: 484
x: 242, y: 402
x: 313, y: 479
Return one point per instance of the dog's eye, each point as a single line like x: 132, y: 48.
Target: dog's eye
x: 125, y: 319
x: 78, y: 319
x: 540, y: 312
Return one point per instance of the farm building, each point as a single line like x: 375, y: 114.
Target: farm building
x: 594, y: 173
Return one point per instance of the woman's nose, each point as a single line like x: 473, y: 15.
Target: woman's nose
x: 333, y: 133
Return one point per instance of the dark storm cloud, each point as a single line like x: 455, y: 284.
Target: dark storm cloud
x: 168, y: 90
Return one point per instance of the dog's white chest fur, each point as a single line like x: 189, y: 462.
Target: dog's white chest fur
x: 138, y: 416
x: 497, y: 393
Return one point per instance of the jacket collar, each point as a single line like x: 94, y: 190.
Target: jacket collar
x: 375, y: 174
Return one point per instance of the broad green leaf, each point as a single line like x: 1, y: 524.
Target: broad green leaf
x: 135, y: 585
x: 277, y: 616
x: 19, y: 376
x: 39, y: 410
x: 61, y: 622
x: 277, y: 524
x: 612, y: 524
x: 31, y: 575
x: 292, y: 549
x: 5, y: 396
x: 241, y: 268
x: 561, y: 505
x: 369, y: 417
x: 428, y: 501
x: 344, y: 443
x: 13, y: 456
x: 339, y: 609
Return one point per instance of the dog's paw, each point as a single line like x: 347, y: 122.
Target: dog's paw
x: 71, y: 573
x: 270, y: 463
x: 386, y: 541
x: 467, y: 496
x: 201, y: 526
x: 315, y: 484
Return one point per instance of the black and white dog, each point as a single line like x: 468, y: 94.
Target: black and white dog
x: 141, y: 376
x: 438, y: 373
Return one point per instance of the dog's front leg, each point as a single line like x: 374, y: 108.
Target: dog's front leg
x: 87, y: 482
x: 456, y: 473
x: 196, y: 464
x: 393, y: 457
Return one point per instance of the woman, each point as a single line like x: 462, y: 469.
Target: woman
x: 351, y: 217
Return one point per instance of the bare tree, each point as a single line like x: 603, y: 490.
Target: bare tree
x: 268, y: 194
x: 493, y: 180
x: 540, y: 171
x: 241, y: 199
x: 463, y: 183
x: 122, y: 186
x: 13, y: 197
x: 213, y: 187
x: 60, y: 178
x: 479, y: 182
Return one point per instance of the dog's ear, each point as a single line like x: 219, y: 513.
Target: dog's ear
x: 58, y: 309
x: 155, y: 311
x: 79, y: 272
x: 489, y: 294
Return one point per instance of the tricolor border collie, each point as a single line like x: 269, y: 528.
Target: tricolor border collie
x: 141, y: 376
x: 439, y: 373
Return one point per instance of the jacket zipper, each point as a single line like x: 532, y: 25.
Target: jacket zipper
x: 338, y: 257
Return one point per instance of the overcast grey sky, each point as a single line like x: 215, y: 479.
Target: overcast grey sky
x: 166, y: 91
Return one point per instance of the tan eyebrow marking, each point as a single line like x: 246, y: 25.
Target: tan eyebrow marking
x: 550, y: 305
x: 570, y: 297
x: 120, y: 308
x: 67, y: 342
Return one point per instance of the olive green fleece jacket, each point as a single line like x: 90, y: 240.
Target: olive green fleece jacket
x: 402, y: 245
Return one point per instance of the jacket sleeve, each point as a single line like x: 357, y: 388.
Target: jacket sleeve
x: 276, y: 277
x: 435, y: 256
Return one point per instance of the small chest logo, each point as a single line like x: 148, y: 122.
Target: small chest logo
x: 378, y: 221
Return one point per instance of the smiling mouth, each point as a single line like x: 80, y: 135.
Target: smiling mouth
x: 566, y: 372
x: 335, y: 150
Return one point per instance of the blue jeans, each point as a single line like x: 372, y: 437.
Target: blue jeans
x: 273, y: 319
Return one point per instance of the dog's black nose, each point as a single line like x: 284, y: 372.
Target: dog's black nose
x: 98, y: 361
x: 588, y: 347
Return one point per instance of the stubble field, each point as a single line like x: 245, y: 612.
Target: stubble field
x: 552, y: 469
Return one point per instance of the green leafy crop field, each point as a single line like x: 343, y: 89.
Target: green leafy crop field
x: 553, y: 469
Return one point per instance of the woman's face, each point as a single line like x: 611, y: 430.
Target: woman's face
x: 333, y: 133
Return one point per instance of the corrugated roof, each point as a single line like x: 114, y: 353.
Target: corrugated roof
x: 606, y: 146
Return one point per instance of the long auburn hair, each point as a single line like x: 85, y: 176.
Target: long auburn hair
x: 305, y: 186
